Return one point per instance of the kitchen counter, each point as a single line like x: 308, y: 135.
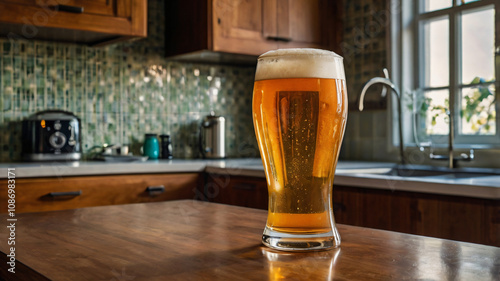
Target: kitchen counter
x: 193, y: 240
x: 349, y: 173
x: 94, y: 168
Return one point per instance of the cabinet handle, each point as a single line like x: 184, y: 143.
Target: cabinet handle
x: 245, y: 186
x: 155, y: 190
x: 61, y: 195
x: 277, y: 38
x: 69, y: 9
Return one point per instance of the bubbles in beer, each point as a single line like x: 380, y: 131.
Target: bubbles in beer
x: 299, y: 131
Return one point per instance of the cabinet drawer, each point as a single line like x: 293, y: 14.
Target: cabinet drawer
x: 47, y: 194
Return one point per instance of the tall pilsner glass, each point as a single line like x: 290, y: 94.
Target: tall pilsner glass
x: 299, y: 113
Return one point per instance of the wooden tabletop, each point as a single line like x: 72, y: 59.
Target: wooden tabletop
x: 193, y: 240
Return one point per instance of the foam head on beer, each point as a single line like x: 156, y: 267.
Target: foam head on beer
x: 300, y: 63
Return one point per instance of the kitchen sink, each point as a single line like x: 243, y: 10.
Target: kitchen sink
x: 418, y: 171
x: 432, y: 172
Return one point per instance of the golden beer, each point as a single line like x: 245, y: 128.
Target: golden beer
x: 299, y: 112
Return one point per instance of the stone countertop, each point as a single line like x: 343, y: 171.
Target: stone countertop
x: 349, y: 173
x: 95, y: 168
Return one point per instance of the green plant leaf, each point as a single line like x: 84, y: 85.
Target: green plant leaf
x: 476, y: 80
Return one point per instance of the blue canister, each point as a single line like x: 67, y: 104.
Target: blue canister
x: 151, y: 146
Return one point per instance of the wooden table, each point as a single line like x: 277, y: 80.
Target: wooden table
x: 193, y: 240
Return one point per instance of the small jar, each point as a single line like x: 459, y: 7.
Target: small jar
x: 151, y: 147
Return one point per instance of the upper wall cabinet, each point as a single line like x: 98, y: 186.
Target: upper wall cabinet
x: 78, y: 21
x: 211, y: 29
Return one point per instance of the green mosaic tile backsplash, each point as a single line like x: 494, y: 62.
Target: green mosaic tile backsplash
x: 122, y: 92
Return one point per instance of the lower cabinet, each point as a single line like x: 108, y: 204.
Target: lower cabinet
x: 449, y: 217
x: 49, y: 194
x: 235, y: 190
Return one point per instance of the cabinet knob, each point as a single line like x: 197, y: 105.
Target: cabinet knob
x: 155, y: 190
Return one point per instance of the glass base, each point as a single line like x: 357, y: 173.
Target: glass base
x: 300, y: 242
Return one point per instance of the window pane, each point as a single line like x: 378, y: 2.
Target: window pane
x: 478, y: 46
x: 432, y: 5
x: 478, y: 110
x: 461, y: 2
x: 436, y: 115
x: 436, y: 52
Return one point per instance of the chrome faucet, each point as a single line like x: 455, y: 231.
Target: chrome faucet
x: 451, y: 139
x: 386, y: 81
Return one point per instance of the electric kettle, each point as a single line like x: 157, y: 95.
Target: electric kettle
x: 212, y: 137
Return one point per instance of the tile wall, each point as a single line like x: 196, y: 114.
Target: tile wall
x: 364, y: 49
x: 123, y: 91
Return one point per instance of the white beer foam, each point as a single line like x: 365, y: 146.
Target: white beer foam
x: 299, y: 63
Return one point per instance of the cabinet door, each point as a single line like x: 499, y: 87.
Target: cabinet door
x: 78, y: 21
x: 294, y: 23
x: 98, y: 7
x: 303, y: 27
x: 457, y: 218
x: 346, y: 205
x: 238, y: 27
x: 303, y: 24
x: 236, y: 190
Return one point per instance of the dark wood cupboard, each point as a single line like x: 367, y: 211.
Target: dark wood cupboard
x: 77, y: 21
x: 200, y: 28
x: 459, y: 218
x: 235, y: 190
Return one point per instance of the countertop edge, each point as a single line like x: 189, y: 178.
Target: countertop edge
x: 96, y: 169
x: 413, y: 185
x: 248, y: 168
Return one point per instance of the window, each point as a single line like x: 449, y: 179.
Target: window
x: 448, y: 53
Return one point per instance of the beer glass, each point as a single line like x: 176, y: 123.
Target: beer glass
x: 299, y: 113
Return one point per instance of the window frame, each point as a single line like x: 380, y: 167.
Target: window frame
x: 407, y: 20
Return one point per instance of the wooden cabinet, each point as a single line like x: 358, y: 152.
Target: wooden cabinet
x: 251, y: 27
x: 235, y: 190
x: 48, y: 194
x: 239, y: 27
x: 450, y: 217
x: 99, y: 7
x: 77, y: 21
